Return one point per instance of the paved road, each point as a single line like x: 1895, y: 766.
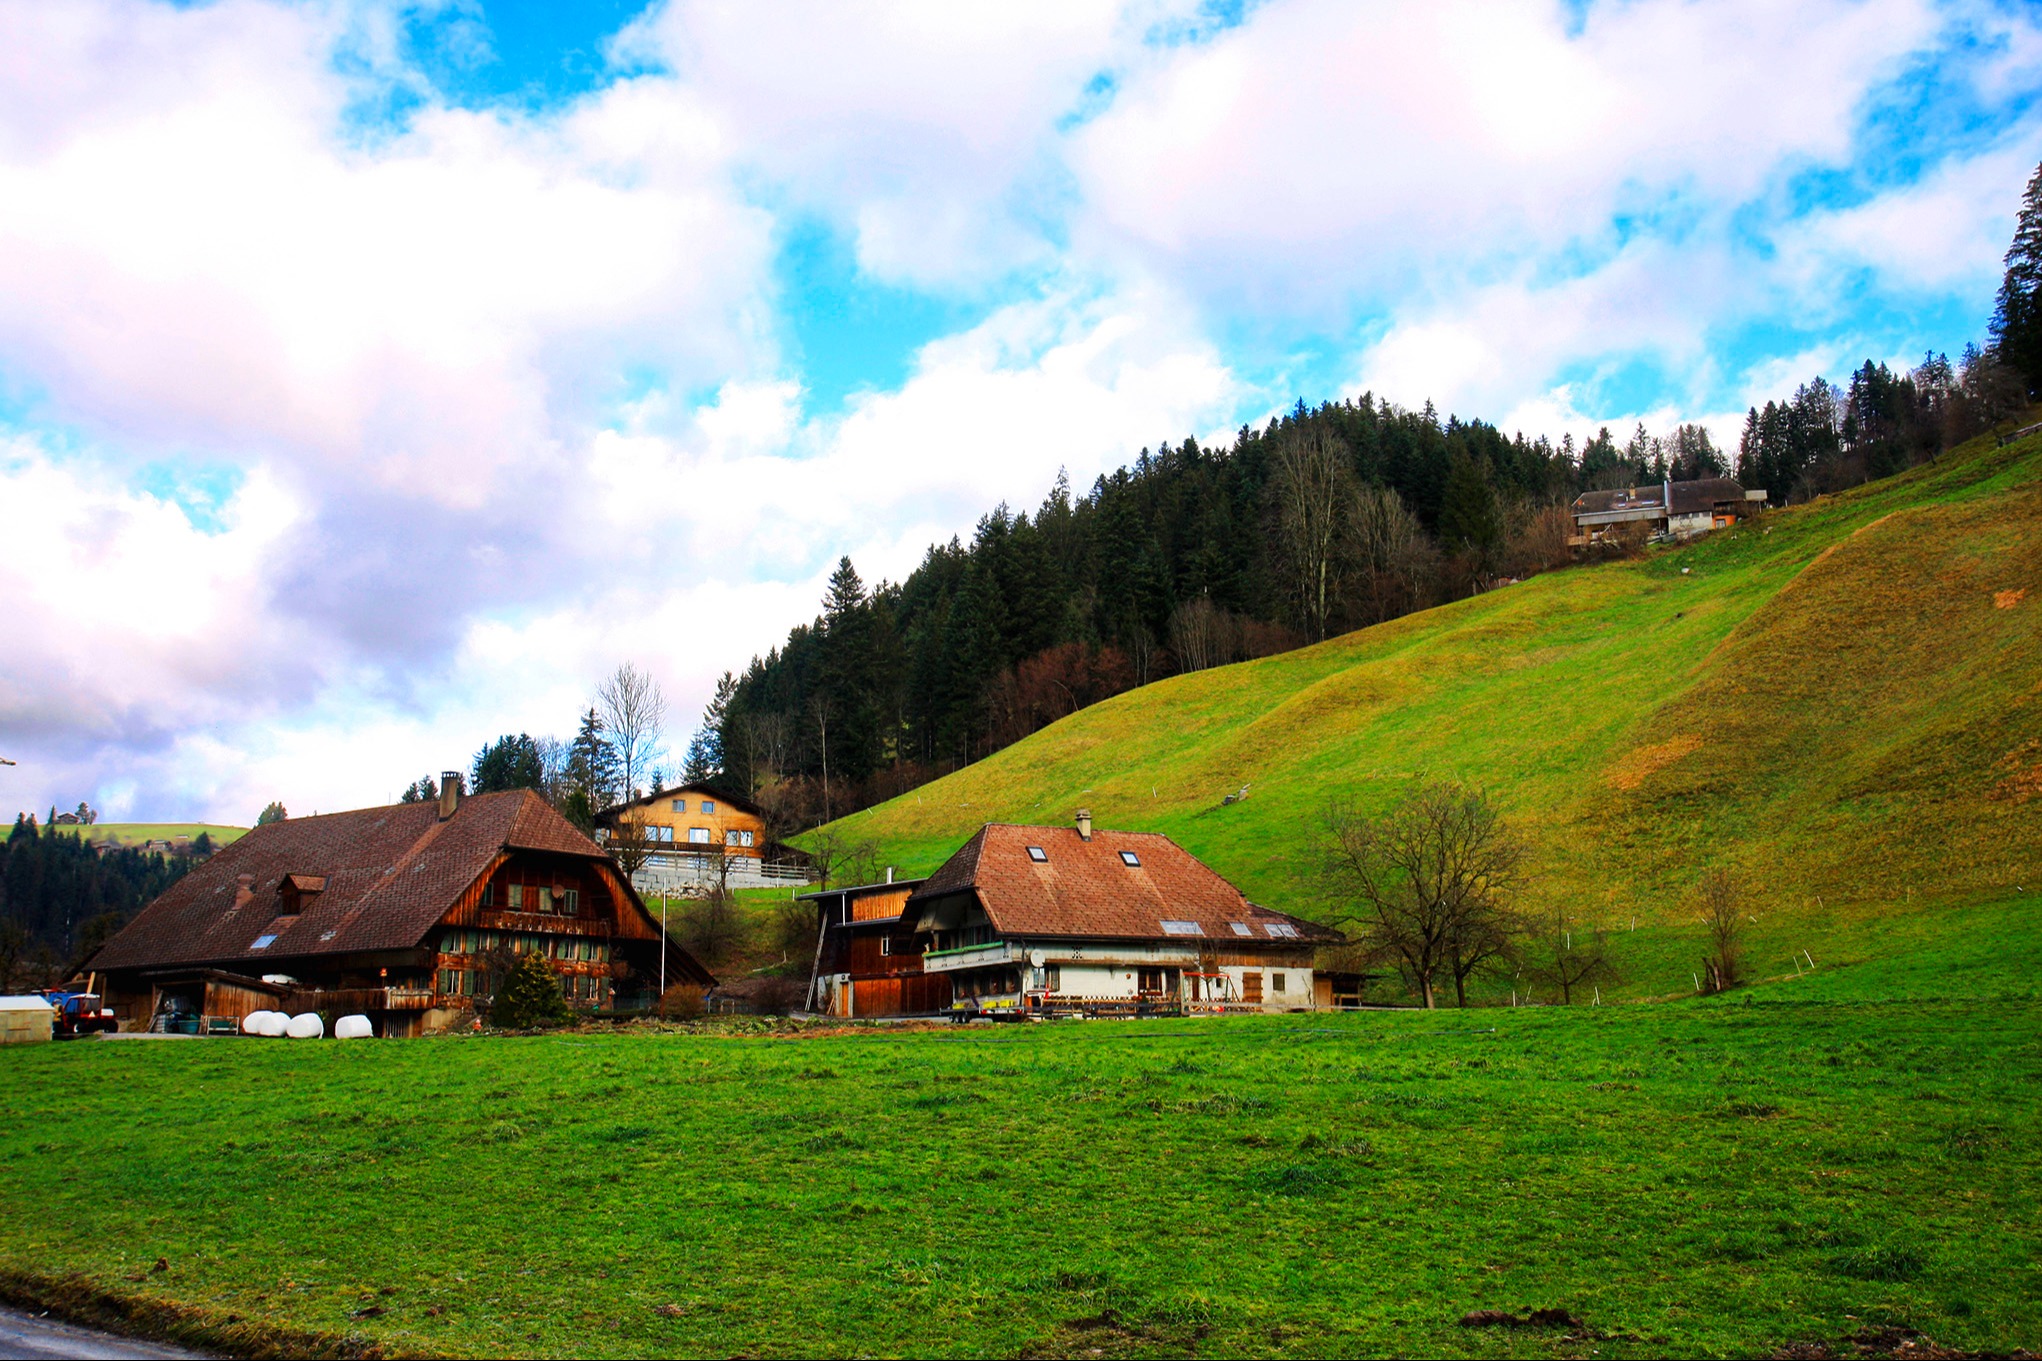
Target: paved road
x: 25, y: 1335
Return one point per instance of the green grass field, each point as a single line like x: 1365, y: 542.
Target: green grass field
x: 1843, y: 701
x: 136, y: 833
x: 1788, y: 1164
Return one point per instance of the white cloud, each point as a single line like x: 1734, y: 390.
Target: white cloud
x: 1327, y: 150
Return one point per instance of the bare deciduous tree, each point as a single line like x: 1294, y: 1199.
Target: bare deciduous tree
x: 1568, y: 960
x: 634, y: 716
x: 1398, y: 564
x: 840, y: 860
x: 1433, y: 876
x: 1202, y: 635
x: 629, y: 845
x: 1314, y: 488
x: 1719, y: 902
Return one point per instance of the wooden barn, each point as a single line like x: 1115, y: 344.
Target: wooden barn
x: 1061, y: 920
x: 868, y: 961
x: 406, y: 914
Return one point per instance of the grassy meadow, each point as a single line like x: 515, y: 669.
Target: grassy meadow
x: 137, y: 833
x: 1842, y: 701
x: 1788, y: 1164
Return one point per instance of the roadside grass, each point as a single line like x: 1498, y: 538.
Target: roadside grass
x: 1788, y: 1163
x: 135, y: 833
x: 1839, y: 701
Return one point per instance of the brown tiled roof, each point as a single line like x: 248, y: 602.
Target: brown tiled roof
x: 608, y: 816
x: 1085, y: 888
x: 1703, y: 494
x: 1689, y: 498
x: 390, y: 874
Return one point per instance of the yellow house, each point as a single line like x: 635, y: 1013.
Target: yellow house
x: 695, y: 815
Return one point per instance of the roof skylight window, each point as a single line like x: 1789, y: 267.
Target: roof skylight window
x: 1130, y: 858
x: 1281, y: 929
x: 1242, y: 928
x: 263, y: 942
x: 1182, y: 929
x: 1038, y: 855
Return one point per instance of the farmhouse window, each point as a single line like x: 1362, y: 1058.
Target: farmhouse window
x: 734, y: 837
x: 572, y: 900
x: 1151, y: 981
x: 1283, y: 929
x: 1171, y: 928
x: 680, y: 805
x: 1053, y: 977
x: 263, y: 942
x: 886, y: 945
x: 1241, y: 928
x: 1130, y: 858
x: 517, y: 897
x: 709, y: 807
x: 1276, y: 980
x: 698, y: 836
x: 545, y: 900
x: 1038, y: 855
x: 489, y: 894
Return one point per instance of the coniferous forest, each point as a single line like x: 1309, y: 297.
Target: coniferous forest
x: 60, y: 898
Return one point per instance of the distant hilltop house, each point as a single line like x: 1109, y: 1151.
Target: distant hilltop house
x: 1677, y: 510
x: 693, y: 836
x: 405, y: 913
x: 1032, y: 921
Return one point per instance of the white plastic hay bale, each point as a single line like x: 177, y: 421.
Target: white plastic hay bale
x: 273, y: 1024
x: 251, y: 1024
x: 305, y: 1025
x: 353, y: 1028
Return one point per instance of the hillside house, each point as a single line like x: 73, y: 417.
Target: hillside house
x: 1062, y: 920
x: 404, y: 913
x: 1676, y: 510
x: 696, y: 835
x: 868, y: 960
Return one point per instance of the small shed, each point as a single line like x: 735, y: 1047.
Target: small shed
x: 27, y: 1020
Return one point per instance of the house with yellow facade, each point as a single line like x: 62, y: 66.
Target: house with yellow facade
x: 695, y: 835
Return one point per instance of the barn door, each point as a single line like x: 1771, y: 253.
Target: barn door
x: 1251, y: 988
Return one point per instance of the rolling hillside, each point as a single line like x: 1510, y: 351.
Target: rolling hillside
x: 1842, y: 700
x: 141, y: 833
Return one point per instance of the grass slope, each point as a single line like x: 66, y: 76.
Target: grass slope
x: 1719, y: 1177
x: 1844, y: 699
x: 136, y: 833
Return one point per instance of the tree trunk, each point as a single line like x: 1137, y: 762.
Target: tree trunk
x: 1425, y: 990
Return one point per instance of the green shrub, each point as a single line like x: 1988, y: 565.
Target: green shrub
x: 529, y: 996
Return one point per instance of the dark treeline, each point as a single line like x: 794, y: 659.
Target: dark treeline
x: 1324, y: 520
x: 60, y: 898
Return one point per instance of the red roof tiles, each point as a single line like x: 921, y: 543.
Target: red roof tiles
x: 1085, y: 888
x: 390, y: 874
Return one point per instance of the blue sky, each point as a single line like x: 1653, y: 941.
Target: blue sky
x: 384, y: 374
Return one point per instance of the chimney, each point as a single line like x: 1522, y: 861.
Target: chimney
x: 450, y: 793
x: 1085, y: 824
x: 244, y: 889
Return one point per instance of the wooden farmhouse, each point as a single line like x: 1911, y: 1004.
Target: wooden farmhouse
x: 1062, y: 920
x: 1677, y: 510
x: 693, y: 836
x: 406, y: 914
x: 868, y: 960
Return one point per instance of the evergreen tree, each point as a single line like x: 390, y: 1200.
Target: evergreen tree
x: 2017, y: 312
x: 1468, y: 519
x: 705, y: 758
x: 592, y: 774
x: 510, y: 762
x: 424, y: 789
